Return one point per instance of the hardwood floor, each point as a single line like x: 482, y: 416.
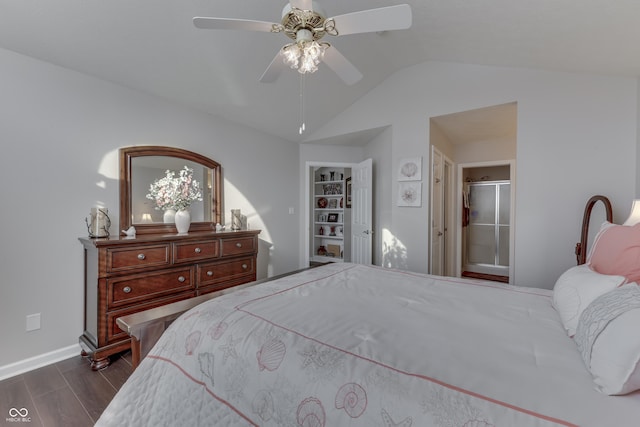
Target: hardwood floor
x: 64, y: 394
x: 492, y: 277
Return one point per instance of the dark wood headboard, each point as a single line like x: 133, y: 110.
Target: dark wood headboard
x: 581, y: 247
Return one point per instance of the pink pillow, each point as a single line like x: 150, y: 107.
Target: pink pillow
x: 616, y: 250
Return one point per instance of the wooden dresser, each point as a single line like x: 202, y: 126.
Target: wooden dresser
x: 128, y: 275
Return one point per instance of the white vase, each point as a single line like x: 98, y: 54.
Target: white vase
x: 183, y: 221
x: 168, y: 216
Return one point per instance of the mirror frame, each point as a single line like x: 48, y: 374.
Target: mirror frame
x: 127, y: 154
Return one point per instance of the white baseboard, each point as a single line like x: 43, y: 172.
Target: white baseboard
x: 26, y: 365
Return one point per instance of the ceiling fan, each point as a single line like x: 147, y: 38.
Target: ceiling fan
x: 304, y: 22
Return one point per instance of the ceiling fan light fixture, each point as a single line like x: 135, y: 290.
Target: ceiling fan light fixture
x: 290, y: 55
x: 312, y: 54
x: 304, y: 56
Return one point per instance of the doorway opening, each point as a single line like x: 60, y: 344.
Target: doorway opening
x: 480, y: 145
x: 486, y: 222
x: 338, y: 212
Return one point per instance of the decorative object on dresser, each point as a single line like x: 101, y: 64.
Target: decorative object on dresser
x: 182, y: 220
x: 100, y: 222
x: 237, y: 220
x: 157, y: 264
x: 130, y: 232
x: 174, y: 195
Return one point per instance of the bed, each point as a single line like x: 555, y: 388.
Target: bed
x: 354, y: 345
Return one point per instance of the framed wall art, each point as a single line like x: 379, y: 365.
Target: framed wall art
x: 410, y: 194
x: 410, y: 169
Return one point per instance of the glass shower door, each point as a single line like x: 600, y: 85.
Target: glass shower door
x: 487, y: 234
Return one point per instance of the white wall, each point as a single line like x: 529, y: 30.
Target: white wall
x: 438, y: 139
x: 576, y: 138
x: 60, y: 132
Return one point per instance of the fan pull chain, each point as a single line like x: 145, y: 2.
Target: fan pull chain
x: 302, y: 124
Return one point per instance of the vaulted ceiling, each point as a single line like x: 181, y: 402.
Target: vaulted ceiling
x: 152, y: 46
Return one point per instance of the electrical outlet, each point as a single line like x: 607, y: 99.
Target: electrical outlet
x: 33, y: 322
x: 291, y: 211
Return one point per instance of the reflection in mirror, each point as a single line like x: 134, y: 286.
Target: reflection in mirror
x: 151, y: 168
x: 141, y: 166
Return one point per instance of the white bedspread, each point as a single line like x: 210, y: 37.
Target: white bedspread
x: 352, y: 345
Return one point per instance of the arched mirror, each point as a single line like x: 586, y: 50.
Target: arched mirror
x: 142, y: 166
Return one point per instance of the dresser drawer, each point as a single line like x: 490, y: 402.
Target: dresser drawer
x: 242, y: 245
x: 193, y: 251
x: 114, y: 333
x: 223, y: 271
x: 124, y: 259
x: 127, y: 290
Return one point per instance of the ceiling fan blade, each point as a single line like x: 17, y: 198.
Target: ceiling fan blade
x: 374, y: 20
x: 207, y: 23
x: 274, y: 69
x: 301, y: 4
x: 341, y: 66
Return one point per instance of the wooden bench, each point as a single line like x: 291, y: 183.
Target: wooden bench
x: 146, y: 327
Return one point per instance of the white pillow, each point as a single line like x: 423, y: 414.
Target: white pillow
x: 607, y: 338
x: 576, y: 288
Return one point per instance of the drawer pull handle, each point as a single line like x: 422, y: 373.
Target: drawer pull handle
x: 238, y: 245
x: 141, y: 256
x: 197, y: 250
x: 126, y: 289
x: 181, y: 279
x: 244, y: 266
x: 209, y: 273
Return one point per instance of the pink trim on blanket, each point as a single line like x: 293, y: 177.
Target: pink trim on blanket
x: 509, y: 288
x: 423, y: 377
x: 241, y: 307
x: 197, y: 381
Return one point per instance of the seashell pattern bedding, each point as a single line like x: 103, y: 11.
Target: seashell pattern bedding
x: 353, y: 345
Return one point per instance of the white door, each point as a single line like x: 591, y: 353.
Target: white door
x: 361, y: 212
x: 436, y: 266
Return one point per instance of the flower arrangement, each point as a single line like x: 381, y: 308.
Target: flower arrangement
x: 175, y: 192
